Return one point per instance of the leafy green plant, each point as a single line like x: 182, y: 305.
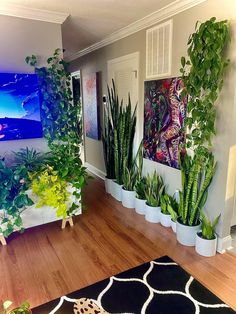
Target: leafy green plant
x: 197, y: 174
x: 30, y: 159
x: 13, y: 199
x: 129, y: 178
x: 169, y: 206
x: 155, y: 188
x: 202, y: 73
x: 52, y: 191
x: 24, y: 308
x: 140, y: 188
x: 208, y: 227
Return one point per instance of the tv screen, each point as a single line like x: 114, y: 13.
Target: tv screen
x: 19, y: 107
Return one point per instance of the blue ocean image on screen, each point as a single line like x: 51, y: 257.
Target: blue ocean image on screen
x: 19, y: 107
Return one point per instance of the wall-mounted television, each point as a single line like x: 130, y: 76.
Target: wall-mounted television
x: 19, y: 107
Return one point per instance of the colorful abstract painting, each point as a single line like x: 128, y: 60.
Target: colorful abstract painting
x: 91, y: 112
x: 164, y: 115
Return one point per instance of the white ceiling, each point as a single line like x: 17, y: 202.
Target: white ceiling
x: 92, y: 20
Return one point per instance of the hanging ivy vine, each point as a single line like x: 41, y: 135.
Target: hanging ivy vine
x: 202, y: 72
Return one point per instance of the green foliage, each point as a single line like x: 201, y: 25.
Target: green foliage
x: 24, y: 308
x: 13, y: 199
x: 155, y: 188
x: 118, y: 135
x: 197, y: 174
x: 208, y: 227
x: 169, y: 206
x: 202, y: 73
x: 52, y: 191
x: 140, y: 188
x: 30, y: 159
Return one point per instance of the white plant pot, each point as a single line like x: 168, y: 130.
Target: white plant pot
x: 186, y: 235
x: 205, y: 247
x: 108, y: 185
x: 152, y: 213
x: 173, y: 226
x: 112, y: 188
x: 140, y: 206
x: 165, y: 220
x: 117, y: 191
x: 128, y: 198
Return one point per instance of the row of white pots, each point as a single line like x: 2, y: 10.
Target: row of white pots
x: 186, y: 235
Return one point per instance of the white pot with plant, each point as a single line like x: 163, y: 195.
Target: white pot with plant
x: 206, y: 239
x: 117, y: 191
x: 165, y: 217
x: 140, y: 198
x: 197, y: 173
x: 128, y: 192
x: 108, y: 185
x: 155, y: 188
x: 173, y: 209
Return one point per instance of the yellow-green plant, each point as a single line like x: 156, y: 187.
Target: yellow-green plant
x: 52, y: 191
x: 24, y: 308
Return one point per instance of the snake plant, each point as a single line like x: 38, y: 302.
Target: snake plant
x: 169, y: 206
x: 155, y: 188
x: 208, y: 227
x: 197, y: 173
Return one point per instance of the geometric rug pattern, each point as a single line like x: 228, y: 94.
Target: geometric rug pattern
x: 160, y: 286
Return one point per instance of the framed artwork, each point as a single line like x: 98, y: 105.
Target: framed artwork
x: 164, y: 115
x: 91, y: 106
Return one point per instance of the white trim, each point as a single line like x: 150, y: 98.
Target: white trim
x: 96, y: 171
x: 224, y: 244
x: 166, y: 12
x: 11, y: 9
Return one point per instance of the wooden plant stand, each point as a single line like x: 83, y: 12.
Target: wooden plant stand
x: 3, y: 240
x: 65, y: 220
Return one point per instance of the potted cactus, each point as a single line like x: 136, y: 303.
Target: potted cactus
x: 206, y: 239
x: 197, y: 174
x: 155, y: 188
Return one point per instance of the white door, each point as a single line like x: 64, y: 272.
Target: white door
x: 125, y: 72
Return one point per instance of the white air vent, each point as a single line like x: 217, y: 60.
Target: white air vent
x: 159, y: 50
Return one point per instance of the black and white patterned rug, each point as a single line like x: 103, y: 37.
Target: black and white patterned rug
x: 157, y: 287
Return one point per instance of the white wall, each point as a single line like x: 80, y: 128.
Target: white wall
x: 18, y: 39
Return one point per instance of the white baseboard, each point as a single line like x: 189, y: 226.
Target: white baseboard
x: 224, y: 244
x: 95, y: 170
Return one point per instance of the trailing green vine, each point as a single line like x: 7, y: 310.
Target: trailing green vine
x: 202, y: 72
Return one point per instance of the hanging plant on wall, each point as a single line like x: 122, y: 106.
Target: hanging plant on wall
x: 202, y: 72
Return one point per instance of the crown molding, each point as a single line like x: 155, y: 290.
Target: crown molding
x: 166, y: 12
x: 11, y: 9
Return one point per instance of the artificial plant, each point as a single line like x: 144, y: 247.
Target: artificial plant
x: 13, y: 199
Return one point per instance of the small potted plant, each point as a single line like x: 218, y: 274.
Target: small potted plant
x: 24, y: 308
x: 173, y: 209
x: 206, y: 239
x: 165, y: 217
x: 128, y: 192
x: 155, y: 188
x: 140, y: 198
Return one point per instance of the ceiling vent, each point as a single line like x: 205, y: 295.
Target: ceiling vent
x: 159, y: 50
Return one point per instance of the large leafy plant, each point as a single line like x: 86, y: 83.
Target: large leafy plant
x: 202, y: 73
x: 155, y: 189
x: 13, y: 199
x: 197, y: 173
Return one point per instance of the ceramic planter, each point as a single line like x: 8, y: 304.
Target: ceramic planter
x: 173, y: 225
x: 140, y: 206
x: 108, y: 185
x: 152, y: 213
x: 128, y: 198
x: 112, y: 188
x: 186, y: 235
x: 117, y: 191
x: 205, y: 247
x: 165, y: 219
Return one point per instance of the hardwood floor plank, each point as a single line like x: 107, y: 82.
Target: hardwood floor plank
x: 46, y: 262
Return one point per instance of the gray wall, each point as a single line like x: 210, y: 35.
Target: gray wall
x: 20, y: 38
x: 222, y: 190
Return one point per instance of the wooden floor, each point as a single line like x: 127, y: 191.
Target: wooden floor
x: 47, y: 262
